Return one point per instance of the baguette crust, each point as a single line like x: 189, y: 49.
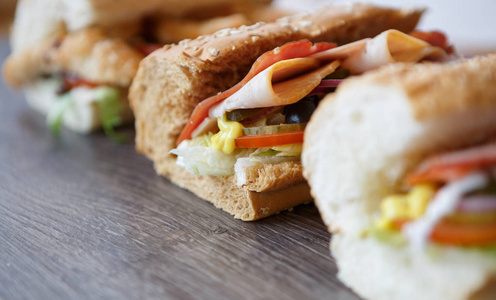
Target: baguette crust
x: 88, y: 53
x: 398, y: 116
x: 428, y: 86
x: 172, y: 81
x: 270, y: 177
x: 244, y: 204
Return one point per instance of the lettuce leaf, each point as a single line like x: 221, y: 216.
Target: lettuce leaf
x: 110, y: 106
x: 56, y: 114
x: 198, y: 158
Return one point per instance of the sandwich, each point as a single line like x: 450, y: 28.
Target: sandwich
x: 401, y: 164
x: 75, y: 61
x: 223, y: 115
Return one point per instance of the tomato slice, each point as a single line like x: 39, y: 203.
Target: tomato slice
x: 269, y: 140
x: 290, y: 50
x: 435, y: 38
x: 459, y: 234
x: 451, y: 233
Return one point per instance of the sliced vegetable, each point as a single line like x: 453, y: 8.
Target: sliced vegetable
x: 56, y: 114
x: 330, y: 82
x: 339, y: 74
x: 239, y: 115
x: 478, y: 203
x: 197, y: 157
x: 110, y: 106
x: 297, y: 49
x: 299, y: 112
x: 321, y: 91
x: 326, y: 86
x: 472, y: 217
x: 289, y: 150
x: 269, y: 140
x: 450, y: 232
x: 273, y: 129
x: 72, y: 81
x: 464, y: 234
x: 451, y: 166
x: 262, y: 113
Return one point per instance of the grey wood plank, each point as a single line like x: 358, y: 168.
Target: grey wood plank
x: 84, y: 218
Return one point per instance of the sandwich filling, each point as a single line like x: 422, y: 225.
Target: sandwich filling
x: 80, y: 104
x: 451, y: 201
x: 262, y: 119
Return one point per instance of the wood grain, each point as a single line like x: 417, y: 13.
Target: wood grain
x: 84, y: 218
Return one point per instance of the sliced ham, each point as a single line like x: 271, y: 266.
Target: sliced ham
x: 388, y: 47
x: 284, y: 83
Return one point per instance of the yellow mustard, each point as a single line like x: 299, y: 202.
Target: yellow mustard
x: 224, y: 139
x: 409, y: 206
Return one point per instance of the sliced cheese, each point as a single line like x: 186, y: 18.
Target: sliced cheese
x: 283, y: 83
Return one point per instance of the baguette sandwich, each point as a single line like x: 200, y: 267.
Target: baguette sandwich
x: 76, y: 60
x: 401, y: 164
x: 223, y: 115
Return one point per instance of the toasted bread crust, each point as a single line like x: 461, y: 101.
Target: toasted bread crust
x: 271, y: 177
x: 88, y: 53
x: 242, y: 203
x: 172, y: 81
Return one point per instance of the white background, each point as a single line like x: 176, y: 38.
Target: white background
x: 469, y: 24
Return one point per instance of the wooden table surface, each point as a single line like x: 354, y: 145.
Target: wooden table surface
x: 84, y: 218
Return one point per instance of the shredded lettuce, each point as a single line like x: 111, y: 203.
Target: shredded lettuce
x: 56, y: 113
x: 289, y: 149
x: 488, y: 250
x: 270, y: 152
x: 110, y: 106
x: 198, y: 158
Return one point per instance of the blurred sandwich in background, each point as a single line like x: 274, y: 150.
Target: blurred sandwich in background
x: 76, y: 59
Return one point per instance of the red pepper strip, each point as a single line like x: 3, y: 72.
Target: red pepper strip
x: 435, y: 38
x: 290, y: 50
x: 460, y: 234
x: 73, y: 81
x: 269, y: 140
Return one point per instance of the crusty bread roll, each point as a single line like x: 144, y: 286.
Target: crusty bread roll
x: 172, y: 81
x: 88, y: 53
x: 359, y: 145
